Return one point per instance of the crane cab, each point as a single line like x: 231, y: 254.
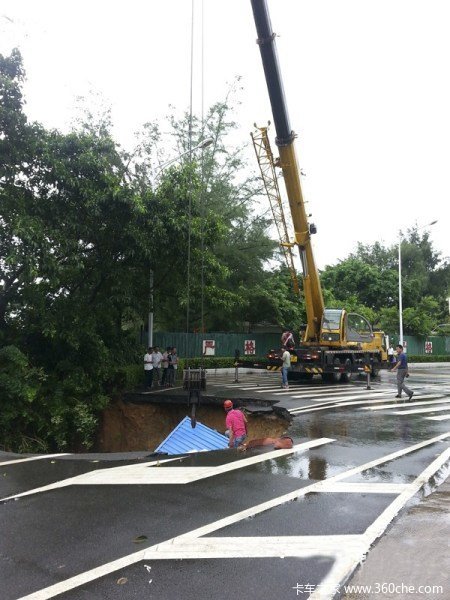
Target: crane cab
x: 342, y: 329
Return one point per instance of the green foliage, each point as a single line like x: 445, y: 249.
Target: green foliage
x: 421, y: 319
x: 356, y: 278
x: 19, y: 388
x: 81, y: 225
x: 388, y: 319
x: 429, y: 358
x: 219, y: 362
x: 274, y: 301
x: 128, y: 377
x: 367, y: 282
x: 72, y: 245
x: 202, y: 209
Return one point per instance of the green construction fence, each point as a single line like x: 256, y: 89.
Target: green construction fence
x: 190, y: 345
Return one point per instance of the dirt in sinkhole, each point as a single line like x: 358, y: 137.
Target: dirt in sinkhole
x: 134, y: 427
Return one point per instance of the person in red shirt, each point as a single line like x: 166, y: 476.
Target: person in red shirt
x: 236, y: 424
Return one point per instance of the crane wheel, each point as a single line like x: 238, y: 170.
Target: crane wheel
x: 346, y: 377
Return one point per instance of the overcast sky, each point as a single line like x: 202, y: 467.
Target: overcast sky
x: 366, y: 82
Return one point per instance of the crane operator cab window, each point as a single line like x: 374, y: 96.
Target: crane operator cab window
x: 358, y: 328
x: 331, y: 325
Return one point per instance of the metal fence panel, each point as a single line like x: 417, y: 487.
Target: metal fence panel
x: 438, y: 345
x: 190, y: 345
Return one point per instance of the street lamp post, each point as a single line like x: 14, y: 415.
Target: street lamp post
x: 203, y: 144
x: 400, y: 300
x: 150, y: 313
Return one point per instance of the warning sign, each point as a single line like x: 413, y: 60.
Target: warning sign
x: 428, y: 347
x: 209, y: 347
x: 249, y: 347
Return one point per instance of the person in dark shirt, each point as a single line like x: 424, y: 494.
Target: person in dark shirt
x: 401, y: 366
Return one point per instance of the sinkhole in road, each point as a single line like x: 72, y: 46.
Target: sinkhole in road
x: 129, y: 427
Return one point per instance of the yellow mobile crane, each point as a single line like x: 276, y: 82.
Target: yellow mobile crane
x: 333, y: 343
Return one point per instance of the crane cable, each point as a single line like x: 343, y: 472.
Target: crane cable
x: 188, y: 274
x: 202, y: 182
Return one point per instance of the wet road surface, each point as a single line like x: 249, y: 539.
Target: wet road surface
x: 260, y: 524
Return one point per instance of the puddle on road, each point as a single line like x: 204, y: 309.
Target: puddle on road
x: 127, y: 427
x: 360, y: 437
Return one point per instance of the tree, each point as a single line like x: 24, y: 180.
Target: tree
x: 421, y: 319
x: 369, y: 276
x: 82, y: 223
x: 204, y: 206
x: 72, y: 245
x: 355, y: 277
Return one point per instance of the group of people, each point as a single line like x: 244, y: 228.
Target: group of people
x: 236, y: 422
x: 398, y: 362
x: 160, y: 368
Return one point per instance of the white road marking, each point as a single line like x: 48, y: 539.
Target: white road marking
x: 183, y: 475
x: 347, y: 556
x: 316, y: 391
x: 321, y: 387
x: 439, y: 418
x: 344, y: 391
x: 254, y: 547
x: 374, y: 393
x: 349, y: 561
x: 301, y: 410
x: 315, y: 487
x: 422, y: 410
x: 405, y: 405
x: 345, y: 487
x: 368, y: 394
x: 40, y: 457
x: 333, y: 403
x: 266, y: 386
x: 65, y: 482
x: 141, y: 474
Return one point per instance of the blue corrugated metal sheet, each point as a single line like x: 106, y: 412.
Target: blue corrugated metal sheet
x: 184, y: 438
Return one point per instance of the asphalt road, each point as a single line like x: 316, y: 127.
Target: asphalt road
x: 226, y: 525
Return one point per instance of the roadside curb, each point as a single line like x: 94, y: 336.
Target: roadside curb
x: 405, y: 558
x: 430, y: 365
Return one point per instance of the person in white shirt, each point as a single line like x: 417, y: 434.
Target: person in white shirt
x: 157, y: 358
x: 148, y: 367
x: 391, y: 355
x: 286, y: 358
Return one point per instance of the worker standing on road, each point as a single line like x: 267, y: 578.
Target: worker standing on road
x: 286, y: 358
x: 236, y: 424
x: 391, y: 355
x: 401, y: 366
x: 148, y: 367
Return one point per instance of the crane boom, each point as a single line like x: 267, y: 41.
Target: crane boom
x: 288, y: 162
x: 335, y: 343
x: 266, y: 163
